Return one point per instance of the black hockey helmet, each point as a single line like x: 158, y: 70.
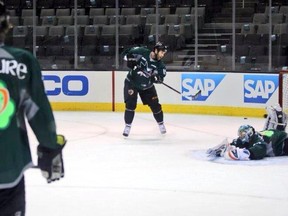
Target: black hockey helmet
x: 160, y: 47
x: 4, y: 17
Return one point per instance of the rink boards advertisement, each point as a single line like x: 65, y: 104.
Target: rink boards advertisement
x: 221, y: 92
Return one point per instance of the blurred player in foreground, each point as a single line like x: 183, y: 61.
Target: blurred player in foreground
x: 22, y: 98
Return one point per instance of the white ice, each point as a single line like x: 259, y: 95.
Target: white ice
x: 149, y: 174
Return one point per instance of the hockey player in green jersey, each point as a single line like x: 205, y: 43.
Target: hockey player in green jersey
x: 146, y: 68
x: 23, y: 99
x: 249, y: 145
x: 253, y: 145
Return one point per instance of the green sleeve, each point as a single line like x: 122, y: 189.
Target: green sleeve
x: 277, y: 142
x: 42, y: 122
x: 138, y: 50
x: 276, y: 137
x: 161, y: 70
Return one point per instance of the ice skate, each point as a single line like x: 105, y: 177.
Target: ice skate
x: 162, y: 128
x: 127, y: 130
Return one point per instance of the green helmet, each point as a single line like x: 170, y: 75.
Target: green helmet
x: 245, y: 132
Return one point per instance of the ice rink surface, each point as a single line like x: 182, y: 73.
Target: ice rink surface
x: 149, y: 174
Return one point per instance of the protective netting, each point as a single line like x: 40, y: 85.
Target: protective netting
x: 284, y: 90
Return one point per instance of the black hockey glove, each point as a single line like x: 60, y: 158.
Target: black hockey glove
x: 157, y: 79
x: 131, y: 61
x: 237, y: 142
x: 50, y: 161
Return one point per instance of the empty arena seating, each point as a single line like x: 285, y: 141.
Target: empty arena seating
x: 136, y: 23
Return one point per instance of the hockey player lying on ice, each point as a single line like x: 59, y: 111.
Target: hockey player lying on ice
x: 252, y: 145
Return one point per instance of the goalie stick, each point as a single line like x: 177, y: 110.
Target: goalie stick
x: 193, y: 96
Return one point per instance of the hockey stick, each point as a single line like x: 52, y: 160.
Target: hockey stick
x: 171, y: 87
x: 196, y: 95
x: 193, y: 96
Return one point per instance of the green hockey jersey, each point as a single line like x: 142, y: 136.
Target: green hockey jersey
x: 145, y: 69
x: 256, y: 146
x: 274, y: 139
x: 266, y: 143
x: 22, y: 96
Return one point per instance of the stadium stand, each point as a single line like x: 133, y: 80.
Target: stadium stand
x: 96, y: 32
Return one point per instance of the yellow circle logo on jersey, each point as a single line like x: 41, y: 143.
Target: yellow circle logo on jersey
x: 7, y: 106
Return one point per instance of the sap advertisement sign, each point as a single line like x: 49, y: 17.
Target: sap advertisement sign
x: 236, y: 87
x: 218, y: 89
x: 206, y: 82
x: 259, y: 88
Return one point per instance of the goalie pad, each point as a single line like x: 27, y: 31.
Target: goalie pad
x: 218, y: 150
x: 235, y: 153
x: 276, y: 118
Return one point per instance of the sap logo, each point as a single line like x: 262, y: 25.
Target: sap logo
x: 69, y: 85
x: 207, y: 83
x: 259, y: 88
